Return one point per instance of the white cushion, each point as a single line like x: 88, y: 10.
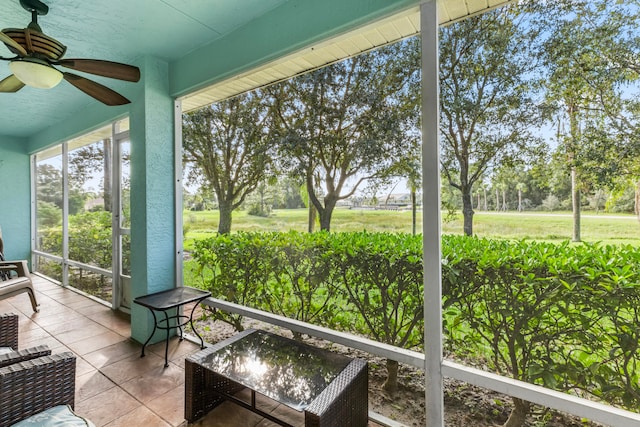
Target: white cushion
x: 58, y: 416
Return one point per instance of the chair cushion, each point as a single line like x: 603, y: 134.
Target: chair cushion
x: 5, y: 350
x: 58, y: 416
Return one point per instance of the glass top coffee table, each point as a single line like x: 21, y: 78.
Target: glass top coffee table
x: 331, y: 389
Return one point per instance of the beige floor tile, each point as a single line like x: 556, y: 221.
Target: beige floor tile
x: 107, y: 406
x: 86, y: 305
x: 170, y: 406
x: 53, y: 344
x: 113, y: 353
x: 141, y: 416
x: 59, y: 328
x: 22, y: 304
x: 91, y: 384
x: 131, y: 367
x: 263, y: 403
x: 83, y: 367
x: 117, y: 322
x: 87, y: 330
x: 95, y: 343
x: 45, y: 318
x: 154, y: 383
x: 228, y: 414
x: 177, y: 349
x: 288, y: 415
x: 32, y: 334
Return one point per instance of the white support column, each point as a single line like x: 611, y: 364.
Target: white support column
x: 116, y: 220
x: 65, y: 214
x: 431, y: 215
x: 177, y: 140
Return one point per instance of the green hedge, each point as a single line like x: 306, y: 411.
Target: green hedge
x: 564, y: 316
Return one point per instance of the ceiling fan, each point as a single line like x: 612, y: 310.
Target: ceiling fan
x: 36, y: 54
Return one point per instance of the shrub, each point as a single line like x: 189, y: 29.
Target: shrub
x: 563, y: 316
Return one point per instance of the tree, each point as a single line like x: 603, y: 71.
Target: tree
x: 501, y: 190
x: 551, y: 203
x: 86, y: 162
x: 49, y: 185
x: 487, y: 105
x: 261, y: 201
x: 230, y: 143
x: 571, y: 99
x: 484, y: 187
x: 347, y: 123
x: 520, y: 186
x: 49, y: 189
x: 613, y: 139
x: 286, y: 193
x: 591, y: 53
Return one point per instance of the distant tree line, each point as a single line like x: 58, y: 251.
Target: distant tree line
x: 537, y: 111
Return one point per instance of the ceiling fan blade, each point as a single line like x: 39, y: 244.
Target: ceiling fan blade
x: 11, y: 84
x: 96, y: 90
x: 114, y: 70
x: 12, y: 43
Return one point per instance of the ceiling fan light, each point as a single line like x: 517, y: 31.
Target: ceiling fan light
x: 35, y: 73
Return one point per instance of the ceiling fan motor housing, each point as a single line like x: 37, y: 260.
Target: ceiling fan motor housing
x: 36, y: 42
x: 35, y: 6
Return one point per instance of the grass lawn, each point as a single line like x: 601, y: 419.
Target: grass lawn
x: 553, y: 227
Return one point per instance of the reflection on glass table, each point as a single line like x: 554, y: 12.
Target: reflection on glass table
x: 331, y: 389
x: 288, y: 371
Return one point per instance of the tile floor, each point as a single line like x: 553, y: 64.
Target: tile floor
x: 114, y: 385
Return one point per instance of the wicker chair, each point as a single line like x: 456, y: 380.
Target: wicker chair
x: 32, y: 380
x: 9, y: 353
x: 15, y: 279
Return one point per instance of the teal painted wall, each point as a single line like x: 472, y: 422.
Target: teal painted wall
x: 284, y: 30
x: 152, y: 192
x: 15, y: 197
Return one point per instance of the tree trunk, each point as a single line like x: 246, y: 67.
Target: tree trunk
x: 504, y: 200
x: 575, y: 201
x: 637, y: 204
x: 497, y: 200
x: 484, y: 191
x: 519, y: 413
x: 327, y: 212
x: 571, y: 157
x: 224, y: 226
x: 467, y: 211
x: 391, y: 384
x: 262, y: 211
x: 519, y: 200
x: 325, y: 219
x: 312, y: 218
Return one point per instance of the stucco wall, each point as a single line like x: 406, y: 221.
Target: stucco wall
x: 15, y: 197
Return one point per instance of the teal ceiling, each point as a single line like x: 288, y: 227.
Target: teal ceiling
x: 116, y: 30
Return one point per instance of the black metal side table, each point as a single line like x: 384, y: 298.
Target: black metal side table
x: 166, y: 300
